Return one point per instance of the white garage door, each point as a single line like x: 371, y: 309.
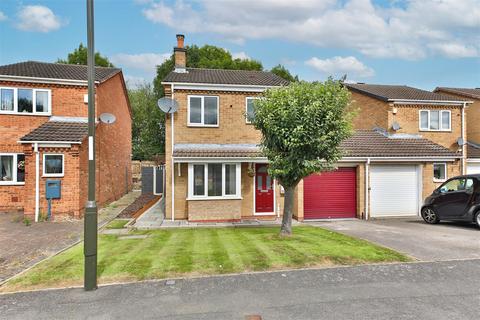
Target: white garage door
x: 394, y: 190
x: 473, y: 168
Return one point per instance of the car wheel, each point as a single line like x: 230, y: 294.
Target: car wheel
x: 429, y: 216
x: 477, y: 219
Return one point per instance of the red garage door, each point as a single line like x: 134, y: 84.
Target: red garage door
x: 330, y: 194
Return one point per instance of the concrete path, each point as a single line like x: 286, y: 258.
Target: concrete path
x: 436, y: 291
x: 22, y: 246
x: 152, y: 218
x: 445, y: 241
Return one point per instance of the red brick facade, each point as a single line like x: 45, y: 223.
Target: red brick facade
x: 113, y: 149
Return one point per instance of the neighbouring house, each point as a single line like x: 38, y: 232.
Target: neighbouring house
x: 43, y: 129
x: 216, y: 172
x: 473, y: 123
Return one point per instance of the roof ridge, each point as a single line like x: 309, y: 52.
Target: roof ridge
x: 220, y: 69
x: 61, y: 64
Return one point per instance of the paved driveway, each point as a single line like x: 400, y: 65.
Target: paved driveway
x: 444, y: 241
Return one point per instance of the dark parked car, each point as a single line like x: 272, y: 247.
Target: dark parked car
x: 458, y: 199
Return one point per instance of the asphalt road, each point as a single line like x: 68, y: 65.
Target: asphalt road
x: 438, y: 290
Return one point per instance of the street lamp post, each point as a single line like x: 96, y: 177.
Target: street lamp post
x: 90, y: 221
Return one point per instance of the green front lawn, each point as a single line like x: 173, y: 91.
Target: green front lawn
x: 117, y: 224
x: 201, y: 251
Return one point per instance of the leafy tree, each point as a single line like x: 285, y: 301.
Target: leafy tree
x: 148, y: 132
x: 303, y: 125
x: 281, y: 71
x: 79, y: 56
x: 208, y: 56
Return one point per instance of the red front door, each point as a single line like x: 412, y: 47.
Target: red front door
x: 263, y: 190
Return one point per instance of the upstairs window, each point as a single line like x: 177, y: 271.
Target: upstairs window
x: 25, y: 101
x: 203, y: 111
x: 435, y: 120
x: 6, y: 99
x: 249, y: 109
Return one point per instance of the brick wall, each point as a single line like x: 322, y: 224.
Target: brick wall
x: 215, y: 210
x: 408, y: 118
x: 114, y: 142
x: 370, y: 112
x: 70, y: 195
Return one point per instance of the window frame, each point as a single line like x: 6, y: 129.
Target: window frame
x: 224, y: 196
x: 202, y: 111
x: 14, y: 181
x: 440, y: 120
x: 34, y: 102
x: 444, y: 164
x: 53, y: 175
x: 246, y: 108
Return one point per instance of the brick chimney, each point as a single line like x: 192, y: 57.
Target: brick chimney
x: 180, y: 55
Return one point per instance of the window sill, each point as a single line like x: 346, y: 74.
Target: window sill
x: 202, y: 125
x: 425, y: 130
x: 8, y: 183
x: 213, y: 198
x: 439, y: 180
x: 53, y: 176
x: 26, y: 114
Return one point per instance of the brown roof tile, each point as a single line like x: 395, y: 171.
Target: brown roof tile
x: 35, y: 69
x: 473, y: 150
x: 222, y: 76
x: 364, y: 143
x: 58, y: 131
x: 466, y: 92
x: 395, y: 92
x: 370, y: 143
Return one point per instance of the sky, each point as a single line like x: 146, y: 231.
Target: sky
x: 421, y: 43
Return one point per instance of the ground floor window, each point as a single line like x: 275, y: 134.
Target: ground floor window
x: 214, y: 180
x: 439, y: 172
x: 12, y: 168
x: 53, y: 165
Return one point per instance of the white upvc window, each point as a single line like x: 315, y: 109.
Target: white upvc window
x: 435, y: 120
x: 203, y: 111
x: 439, y: 172
x: 214, y: 181
x: 25, y: 101
x: 249, y: 112
x: 53, y: 165
x: 12, y: 169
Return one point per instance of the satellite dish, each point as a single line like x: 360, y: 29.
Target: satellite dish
x: 395, y: 126
x: 460, y: 141
x: 167, y: 105
x: 107, y: 118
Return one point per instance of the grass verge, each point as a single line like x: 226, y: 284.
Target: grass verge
x: 202, y: 251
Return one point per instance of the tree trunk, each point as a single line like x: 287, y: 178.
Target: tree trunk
x: 286, y: 229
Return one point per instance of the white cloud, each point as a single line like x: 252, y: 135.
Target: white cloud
x: 240, y: 55
x: 134, y: 82
x: 338, y: 66
x: 412, y: 29
x: 3, y: 17
x: 37, y: 18
x: 142, y: 61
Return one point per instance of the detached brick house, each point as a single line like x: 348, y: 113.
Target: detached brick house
x: 404, y: 146
x: 473, y: 123
x: 43, y: 130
